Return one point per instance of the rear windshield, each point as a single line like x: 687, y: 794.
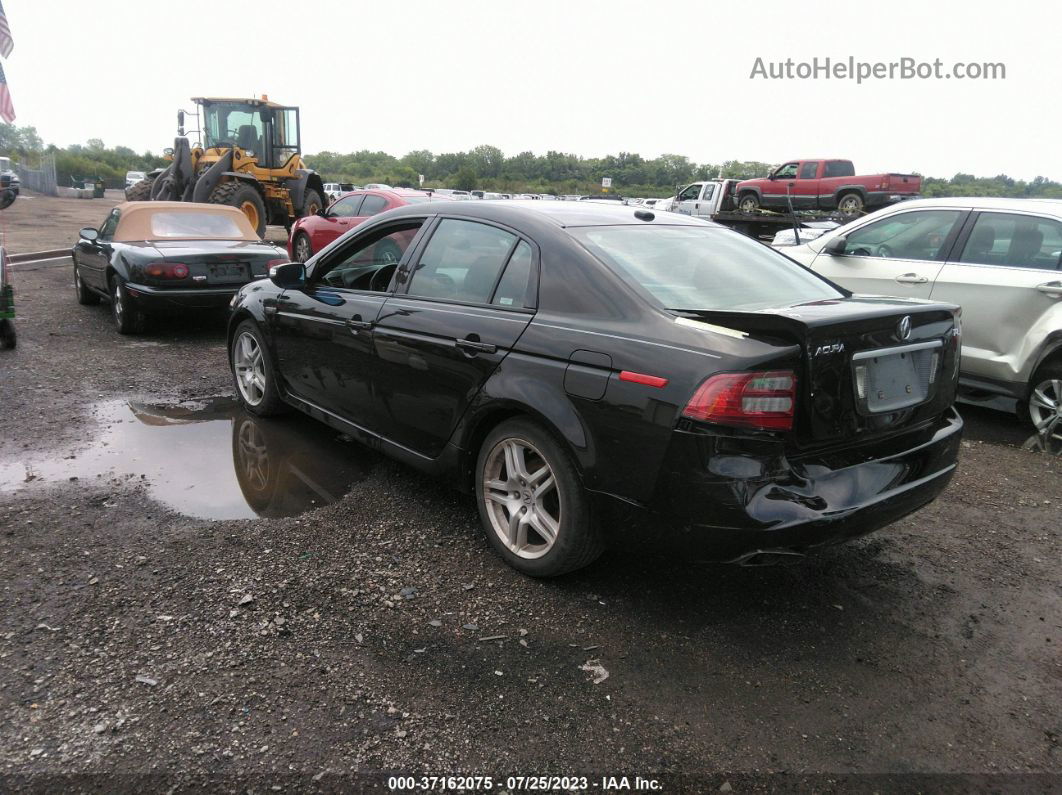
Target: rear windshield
x: 419, y: 199
x: 195, y: 225
x: 692, y: 268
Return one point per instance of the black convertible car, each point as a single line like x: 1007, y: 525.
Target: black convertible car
x: 150, y: 257
x: 560, y: 360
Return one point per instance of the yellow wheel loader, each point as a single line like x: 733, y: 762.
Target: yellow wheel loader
x: 249, y: 156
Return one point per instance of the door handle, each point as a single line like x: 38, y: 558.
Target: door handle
x: 475, y: 346
x: 1053, y: 289
x: 357, y: 324
x: 911, y: 278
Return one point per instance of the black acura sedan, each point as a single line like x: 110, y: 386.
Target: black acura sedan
x: 561, y: 360
x: 153, y: 257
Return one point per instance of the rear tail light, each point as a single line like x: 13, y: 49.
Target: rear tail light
x: 167, y: 270
x: 764, y: 400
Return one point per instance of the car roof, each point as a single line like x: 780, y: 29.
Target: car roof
x: 1050, y: 206
x: 559, y: 214
x: 134, y: 219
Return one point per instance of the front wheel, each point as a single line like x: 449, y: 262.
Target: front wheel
x: 253, y: 372
x: 532, y: 504
x: 302, y: 248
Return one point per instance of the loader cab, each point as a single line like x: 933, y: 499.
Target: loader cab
x: 262, y: 129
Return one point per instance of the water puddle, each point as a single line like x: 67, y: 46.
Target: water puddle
x: 207, y: 459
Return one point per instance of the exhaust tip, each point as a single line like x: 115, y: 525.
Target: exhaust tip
x: 769, y: 557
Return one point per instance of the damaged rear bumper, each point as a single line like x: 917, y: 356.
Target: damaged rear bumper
x: 750, y: 499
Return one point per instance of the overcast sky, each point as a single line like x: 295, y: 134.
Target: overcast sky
x: 579, y: 76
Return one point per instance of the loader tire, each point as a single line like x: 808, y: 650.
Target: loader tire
x: 244, y: 198
x: 140, y: 192
x: 311, y: 204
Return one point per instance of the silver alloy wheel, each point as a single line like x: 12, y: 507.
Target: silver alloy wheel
x: 249, y: 364
x: 522, y: 498
x: 116, y: 302
x: 302, y: 248
x: 850, y: 205
x: 1045, y: 405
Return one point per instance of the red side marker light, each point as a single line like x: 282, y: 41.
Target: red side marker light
x: 642, y: 378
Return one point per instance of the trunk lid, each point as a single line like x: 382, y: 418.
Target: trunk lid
x: 869, y: 366
x: 217, y: 263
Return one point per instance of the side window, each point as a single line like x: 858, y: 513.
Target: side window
x: 1014, y: 241
x: 689, y: 193
x: 809, y: 170
x: 914, y: 235
x: 368, y: 262
x: 788, y: 170
x: 345, y: 208
x: 107, y: 230
x: 373, y: 204
x: 839, y: 168
x: 462, y: 261
x: 512, y: 289
x: 709, y: 189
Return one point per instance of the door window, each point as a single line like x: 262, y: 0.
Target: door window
x: 788, y: 170
x: 373, y: 204
x: 917, y: 235
x: 512, y: 289
x: 368, y: 262
x: 346, y: 208
x: 462, y: 261
x: 107, y: 230
x: 1014, y: 241
x: 809, y: 170
x: 689, y: 193
x: 709, y: 189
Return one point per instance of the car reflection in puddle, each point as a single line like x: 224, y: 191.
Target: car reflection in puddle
x: 1048, y: 441
x: 209, y: 459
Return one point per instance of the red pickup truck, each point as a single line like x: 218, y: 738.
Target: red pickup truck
x: 825, y: 185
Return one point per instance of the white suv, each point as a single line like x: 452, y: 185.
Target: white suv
x: 999, y: 259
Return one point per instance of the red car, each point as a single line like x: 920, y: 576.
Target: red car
x: 312, y: 233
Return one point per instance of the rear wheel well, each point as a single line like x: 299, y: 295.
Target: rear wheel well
x: 491, y: 420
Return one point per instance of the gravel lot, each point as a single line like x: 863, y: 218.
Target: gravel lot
x: 297, y: 651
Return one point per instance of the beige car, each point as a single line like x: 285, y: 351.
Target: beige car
x: 999, y: 259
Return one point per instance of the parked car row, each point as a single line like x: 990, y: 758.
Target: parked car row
x: 654, y: 363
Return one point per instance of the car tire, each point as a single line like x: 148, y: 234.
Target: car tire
x: 850, y: 205
x: 85, y: 296
x: 253, y: 372
x: 128, y: 318
x: 748, y: 203
x: 558, y: 534
x: 302, y: 249
x: 245, y: 198
x: 311, y: 203
x: 1045, y: 388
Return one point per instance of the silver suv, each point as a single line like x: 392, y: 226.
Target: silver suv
x: 999, y: 259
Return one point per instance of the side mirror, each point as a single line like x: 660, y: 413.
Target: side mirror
x: 771, y: 177
x: 836, y: 246
x: 323, y: 212
x: 289, y: 276
x: 89, y: 234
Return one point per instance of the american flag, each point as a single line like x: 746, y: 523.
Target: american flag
x: 6, y: 42
x: 7, y: 110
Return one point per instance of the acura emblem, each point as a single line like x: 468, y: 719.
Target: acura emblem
x: 903, y: 330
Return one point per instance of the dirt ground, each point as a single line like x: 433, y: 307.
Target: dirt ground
x: 44, y: 223
x: 144, y: 647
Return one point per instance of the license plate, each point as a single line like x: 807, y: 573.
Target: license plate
x: 228, y: 272
x: 891, y: 379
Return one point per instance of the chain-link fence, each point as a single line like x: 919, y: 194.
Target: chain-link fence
x: 41, y: 180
